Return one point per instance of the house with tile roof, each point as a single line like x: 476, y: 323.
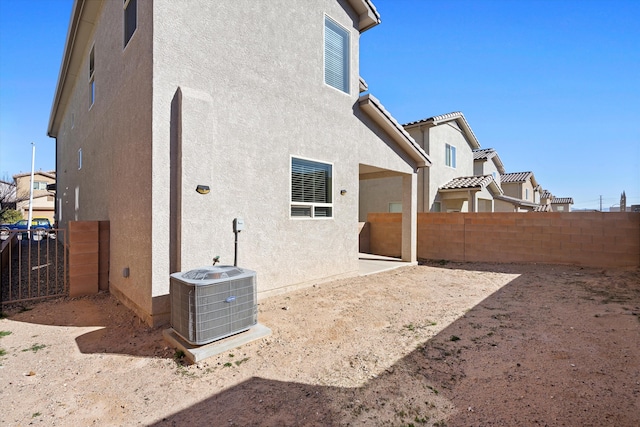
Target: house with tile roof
x: 43, y: 204
x: 450, y: 184
x: 521, y: 193
x: 486, y: 161
x: 561, y: 204
x: 173, y: 118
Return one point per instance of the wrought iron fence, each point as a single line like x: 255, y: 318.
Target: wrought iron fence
x: 33, y: 265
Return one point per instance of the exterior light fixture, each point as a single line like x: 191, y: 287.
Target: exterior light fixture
x: 203, y: 189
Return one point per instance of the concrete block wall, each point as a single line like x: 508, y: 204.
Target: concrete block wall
x: 598, y: 239
x: 88, y: 257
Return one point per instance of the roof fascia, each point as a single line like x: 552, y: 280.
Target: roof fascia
x: 83, y: 18
x: 368, y: 16
x: 374, y: 109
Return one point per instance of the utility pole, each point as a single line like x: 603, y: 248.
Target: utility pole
x: 600, y: 203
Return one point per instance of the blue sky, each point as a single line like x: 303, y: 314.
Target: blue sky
x: 552, y: 85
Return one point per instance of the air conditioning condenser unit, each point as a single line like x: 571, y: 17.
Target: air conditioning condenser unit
x: 211, y: 303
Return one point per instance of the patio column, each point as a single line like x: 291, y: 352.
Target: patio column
x: 410, y: 217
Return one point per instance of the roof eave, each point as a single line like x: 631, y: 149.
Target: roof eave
x: 83, y: 15
x: 368, y: 16
x: 378, y: 114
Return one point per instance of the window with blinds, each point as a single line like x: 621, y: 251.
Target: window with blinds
x: 336, y: 55
x: 311, y: 189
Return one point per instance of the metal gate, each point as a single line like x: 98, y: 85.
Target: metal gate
x: 34, y: 265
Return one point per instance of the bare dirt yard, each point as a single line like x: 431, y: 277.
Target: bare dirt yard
x: 439, y: 344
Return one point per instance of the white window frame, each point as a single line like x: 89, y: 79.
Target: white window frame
x: 92, y: 76
x: 345, y: 35
x: 437, y: 207
x: 450, y: 155
x: 311, y: 205
x: 126, y: 24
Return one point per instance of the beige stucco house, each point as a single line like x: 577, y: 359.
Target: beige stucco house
x: 521, y: 193
x: 257, y: 105
x: 450, y: 184
x: 561, y: 204
x: 43, y: 205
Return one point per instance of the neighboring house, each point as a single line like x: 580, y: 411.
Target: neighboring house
x: 7, y: 195
x: 157, y: 99
x: 487, y: 162
x: 449, y: 184
x: 43, y: 200
x: 561, y: 204
x: 521, y: 193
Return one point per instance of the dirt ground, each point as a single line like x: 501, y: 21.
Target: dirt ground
x: 439, y: 344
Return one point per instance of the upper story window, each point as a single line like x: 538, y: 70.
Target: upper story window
x: 526, y: 194
x: 92, y: 76
x: 39, y: 185
x: 311, y: 189
x: 450, y: 156
x: 336, y: 55
x: 130, y: 19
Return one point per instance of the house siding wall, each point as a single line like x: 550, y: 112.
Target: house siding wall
x: 596, y: 239
x: 249, y: 93
x: 220, y: 94
x: 115, y: 181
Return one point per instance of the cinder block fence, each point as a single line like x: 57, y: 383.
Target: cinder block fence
x: 597, y: 239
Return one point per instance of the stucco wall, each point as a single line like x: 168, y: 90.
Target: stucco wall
x: 598, y: 239
x: 221, y: 94
x: 260, y: 98
x: 114, y: 183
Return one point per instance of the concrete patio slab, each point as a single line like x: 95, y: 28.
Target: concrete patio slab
x: 372, y: 264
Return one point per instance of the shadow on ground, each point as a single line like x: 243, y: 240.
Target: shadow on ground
x: 559, y: 352
x: 103, y: 312
x: 539, y: 351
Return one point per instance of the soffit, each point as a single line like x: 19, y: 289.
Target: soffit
x: 368, y: 16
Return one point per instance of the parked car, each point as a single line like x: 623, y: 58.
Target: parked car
x: 41, y: 227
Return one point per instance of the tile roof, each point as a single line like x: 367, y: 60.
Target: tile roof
x: 546, y: 194
x: 515, y: 177
x: 562, y: 200
x: 542, y: 208
x: 443, y: 118
x: 489, y: 154
x: 483, y: 153
x: 466, y: 182
x: 49, y: 174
